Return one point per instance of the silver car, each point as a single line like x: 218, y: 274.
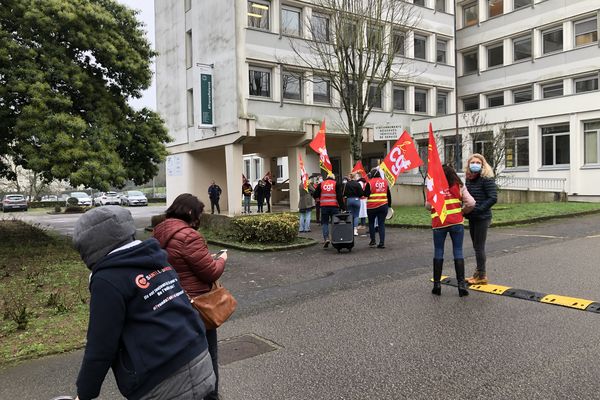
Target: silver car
x: 107, y: 198
x: 14, y: 202
x: 83, y: 199
x: 134, y: 198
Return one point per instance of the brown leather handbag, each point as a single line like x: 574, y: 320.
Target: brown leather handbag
x: 216, y: 306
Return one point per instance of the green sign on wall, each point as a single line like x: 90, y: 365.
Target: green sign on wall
x: 206, y: 101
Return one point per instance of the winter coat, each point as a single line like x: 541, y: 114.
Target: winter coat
x: 306, y: 201
x: 485, y: 194
x: 214, y: 192
x: 188, y: 254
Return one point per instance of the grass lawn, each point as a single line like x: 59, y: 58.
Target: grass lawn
x: 213, y: 238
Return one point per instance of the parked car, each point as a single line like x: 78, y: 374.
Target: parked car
x: 14, y: 202
x: 103, y: 199
x: 133, y: 198
x: 83, y: 199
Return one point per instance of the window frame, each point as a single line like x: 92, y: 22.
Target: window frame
x: 515, y: 7
x: 521, y: 39
x: 554, y: 135
x: 291, y: 9
x: 548, y: 85
x: 327, y: 19
x: 466, y: 99
x: 486, y: 141
x: 584, y: 79
x: 445, y: 51
x: 370, y: 37
x: 521, y: 90
x: 399, y: 88
x: 259, y: 3
x: 596, y: 131
x: 517, y: 136
x: 419, y: 5
x: 419, y: 90
x: 474, y: 5
x: 398, y: 33
x: 491, y: 6
x: 264, y: 70
x: 465, y: 54
x: 437, y: 102
x: 377, y: 96
x: 550, y: 31
x: 492, y: 47
x: 440, y: 9
x: 492, y: 96
x: 424, y: 37
x: 300, y: 78
x: 321, y: 79
x: 581, y: 21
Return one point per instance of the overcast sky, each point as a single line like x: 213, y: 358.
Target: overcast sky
x: 146, y: 15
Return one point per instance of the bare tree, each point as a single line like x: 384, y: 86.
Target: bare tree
x: 27, y: 182
x: 356, y: 48
x: 486, y: 140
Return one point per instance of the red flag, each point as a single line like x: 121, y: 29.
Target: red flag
x: 359, y: 169
x: 437, y: 184
x: 402, y: 157
x: 318, y: 145
x: 303, y: 173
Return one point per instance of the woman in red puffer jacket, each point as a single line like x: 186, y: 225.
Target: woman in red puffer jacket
x: 189, y: 255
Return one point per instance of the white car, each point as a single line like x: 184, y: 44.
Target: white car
x: 134, y: 198
x: 107, y: 199
x: 83, y: 199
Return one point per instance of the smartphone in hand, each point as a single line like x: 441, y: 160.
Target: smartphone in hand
x: 219, y: 253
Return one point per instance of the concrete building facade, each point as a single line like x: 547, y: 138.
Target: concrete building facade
x: 257, y: 123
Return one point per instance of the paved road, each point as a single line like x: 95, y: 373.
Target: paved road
x: 364, y: 325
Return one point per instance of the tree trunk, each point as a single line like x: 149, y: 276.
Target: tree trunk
x: 356, y: 143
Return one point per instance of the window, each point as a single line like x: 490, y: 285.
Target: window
x: 586, y: 32
x: 516, y: 148
x: 399, y: 99
x: 374, y: 37
x: 398, y: 42
x: 451, y: 150
x: 495, y: 7
x: 419, y: 3
x: 483, y: 143
x: 552, y: 40
x: 260, y: 82
x: 441, y: 51
x: 470, y: 14
x: 587, y: 84
x: 591, y: 142
x: 291, y: 86
x: 420, y: 100
x: 420, y: 47
x: 320, y: 27
x: 522, y: 48
x: 495, y: 99
x: 470, y: 103
x: 422, y: 148
x: 374, y: 96
x: 440, y: 5
x: 190, y: 107
x: 521, y: 3
x: 187, y: 5
x: 552, y: 90
x: 321, y: 90
x: 247, y: 168
x: 495, y: 55
x: 290, y: 20
x: 257, y: 167
x: 523, y: 94
x: 189, y: 55
x: 258, y: 15
x: 442, y: 103
x: 555, y: 145
x: 470, y: 62
x: 349, y: 34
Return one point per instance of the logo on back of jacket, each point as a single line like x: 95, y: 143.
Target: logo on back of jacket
x: 328, y: 187
x: 162, y: 288
x: 380, y: 185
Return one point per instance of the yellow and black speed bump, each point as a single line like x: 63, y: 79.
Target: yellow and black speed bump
x: 565, y: 301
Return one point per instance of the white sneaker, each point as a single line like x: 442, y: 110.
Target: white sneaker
x: 355, y: 231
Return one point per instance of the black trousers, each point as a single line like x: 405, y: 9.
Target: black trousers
x: 213, y: 204
x: 211, y: 338
x: 478, y: 229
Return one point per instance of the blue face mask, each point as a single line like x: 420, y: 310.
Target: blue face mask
x: 475, y: 168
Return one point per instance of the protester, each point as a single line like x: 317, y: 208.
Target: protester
x: 188, y: 254
x: 267, y: 190
x: 363, y: 203
x: 141, y: 322
x: 353, y: 191
x: 458, y: 202
x: 330, y: 195
x: 482, y: 186
x: 259, y: 195
x: 315, y: 184
x: 379, y: 199
x: 214, y: 193
x: 247, y: 193
x: 305, y: 205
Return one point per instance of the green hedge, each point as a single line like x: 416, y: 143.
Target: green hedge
x: 265, y: 228
x: 46, y: 204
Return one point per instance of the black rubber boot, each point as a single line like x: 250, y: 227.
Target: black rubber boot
x: 438, y: 263
x: 459, y: 266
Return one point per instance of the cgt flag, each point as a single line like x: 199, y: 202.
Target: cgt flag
x: 436, y: 181
x: 402, y: 157
x: 359, y: 169
x: 318, y: 145
x: 303, y: 173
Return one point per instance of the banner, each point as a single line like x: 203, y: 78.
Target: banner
x: 359, y: 169
x: 206, y: 99
x: 402, y: 157
x: 303, y: 173
x: 318, y: 145
x: 436, y: 181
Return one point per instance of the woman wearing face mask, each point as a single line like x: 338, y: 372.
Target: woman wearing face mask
x: 482, y: 186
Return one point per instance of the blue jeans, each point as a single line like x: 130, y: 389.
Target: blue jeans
x: 247, y: 204
x: 353, y: 205
x: 457, y: 233
x: 305, y: 220
x: 327, y: 214
x: 378, y: 213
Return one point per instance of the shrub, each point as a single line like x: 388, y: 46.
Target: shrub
x: 57, y: 209
x: 74, y: 209
x: 265, y: 228
x: 72, y: 201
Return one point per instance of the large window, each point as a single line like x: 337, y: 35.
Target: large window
x: 422, y: 148
x: 495, y: 99
x: 521, y: 95
x: 516, y: 148
x: 399, y: 98
x: 441, y: 51
x: 442, y: 103
x: 470, y: 14
x: 591, y: 142
x: 521, y: 3
x: 320, y: 27
x: 552, y: 40
x: 374, y: 37
x: 257, y: 171
x: 440, y: 5
x: 420, y: 47
x: 522, y: 48
x: 483, y: 143
x: 260, y: 82
x: 258, y: 14
x: 587, y: 84
x: 419, y: 3
x: 247, y: 169
x: 420, y: 100
x: 398, y: 38
x: 470, y: 63
x: 495, y: 7
x: 374, y: 96
x: 555, y: 145
x: 321, y: 90
x: 586, y: 31
x: 553, y: 89
x: 495, y: 54
x: 471, y: 103
x: 290, y: 20
x: 291, y: 85
x: 451, y: 149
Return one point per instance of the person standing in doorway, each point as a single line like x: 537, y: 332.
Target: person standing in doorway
x: 480, y: 183
x: 379, y: 199
x: 214, y: 194
x: 330, y: 195
x: 352, y: 193
x: 247, y: 193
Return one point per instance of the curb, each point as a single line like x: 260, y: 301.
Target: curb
x: 310, y: 242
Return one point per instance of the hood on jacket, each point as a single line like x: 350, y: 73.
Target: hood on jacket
x: 147, y: 255
x: 164, y: 231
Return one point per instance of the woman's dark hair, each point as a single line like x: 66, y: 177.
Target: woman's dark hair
x: 186, y: 207
x: 375, y: 173
x: 451, y: 175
